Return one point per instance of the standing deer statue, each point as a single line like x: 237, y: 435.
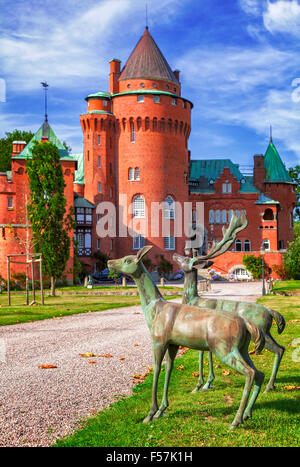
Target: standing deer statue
x: 254, y: 313
x: 173, y: 324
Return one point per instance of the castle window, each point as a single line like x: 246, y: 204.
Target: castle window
x: 266, y: 244
x: 110, y: 168
x: 156, y: 99
x: 147, y: 123
x: 230, y: 214
x: 111, y: 192
x: 226, y: 188
x: 98, y: 218
x: 218, y: 216
x: 139, y: 207
x: 139, y: 123
x: 105, y: 103
x: 237, y: 213
x: 169, y: 242
x: 132, y: 137
x: 98, y: 244
x: 10, y: 202
x: 167, y: 86
x: 169, y: 208
x: 138, y: 242
x: 247, y: 245
x: 99, y: 162
x: 174, y: 101
x: 130, y: 174
x: 238, y: 245
x: 211, y: 216
x: 140, y: 98
x: 154, y: 85
x: 128, y: 85
x: 142, y: 85
x: 137, y: 173
x: 88, y: 155
x: 99, y: 140
x: 224, y: 216
x: 268, y: 215
x: 99, y: 187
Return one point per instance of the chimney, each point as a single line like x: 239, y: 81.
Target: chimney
x: 177, y: 73
x: 18, y: 147
x: 115, y: 71
x: 259, y: 172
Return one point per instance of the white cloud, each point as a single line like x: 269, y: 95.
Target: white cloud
x: 283, y: 16
x: 251, y: 7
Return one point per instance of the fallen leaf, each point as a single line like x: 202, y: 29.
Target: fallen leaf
x: 217, y: 366
x: 150, y: 368
x: 138, y: 376
x: 92, y: 361
x: 228, y: 399
x: 180, y: 367
x: 205, y: 363
x: 47, y: 366
x: 195, y: 374
x: 122, y: 358
x: 136, y: 313
x: 87, y: 355
x: 136, y: 345
x: 107, y: 355
x: 225, y: 372
x: 291, y: 388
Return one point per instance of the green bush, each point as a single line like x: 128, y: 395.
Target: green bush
x: 291, y: 260
x: 253, y: 264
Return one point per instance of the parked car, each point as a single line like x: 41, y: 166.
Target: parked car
x: 102, y: 275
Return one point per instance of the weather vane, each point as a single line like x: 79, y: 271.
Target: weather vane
x: 45, y: 86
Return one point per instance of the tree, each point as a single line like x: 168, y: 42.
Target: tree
x: 291, y: 260
x: 6, y: 146
x: 164, y: 267
x: 102, y: 259
x: 295, y: 175
x: 50, y: 222
x: 253, y: 264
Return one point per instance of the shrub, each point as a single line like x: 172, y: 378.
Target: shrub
x: 253, y: 264
x: 291, y: 259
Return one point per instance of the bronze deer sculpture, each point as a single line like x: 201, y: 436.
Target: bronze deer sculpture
x: 256, y: 314
x: 173, y: 324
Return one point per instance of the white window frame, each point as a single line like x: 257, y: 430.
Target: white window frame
x: 238, y: 242
x: 247, y: 242
x: 10, y: 202
x: 169, y: 210
x: 137, y: 173
x: 169, y: 243
x: 141, y: 98
x: 227, y: 187
x: 130, y: 174
x: 99, y: 187
x: 138, y: 207
x: 132, y: 132
x: 139, y: 242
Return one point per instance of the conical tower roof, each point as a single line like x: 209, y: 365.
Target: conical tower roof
x: 275, y: 168
x: 147, y: 61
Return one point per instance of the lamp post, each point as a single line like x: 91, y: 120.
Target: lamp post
x: 262, y: 251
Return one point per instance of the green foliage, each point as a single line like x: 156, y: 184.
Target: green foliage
x: 253, y: 264
x: 291, y: 260
x: 297, y: 229
x: 281, y: 271
x: 114, y: 275
x: 102, y: 259
x: 164, y: 267
x: 77, y: 266
x: 47, y: 209
x: 6, y: 146
x: 295, y: 175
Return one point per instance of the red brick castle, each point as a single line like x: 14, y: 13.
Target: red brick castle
x: 135, y: 157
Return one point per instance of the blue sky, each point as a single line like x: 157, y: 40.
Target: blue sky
x: 239, y: 63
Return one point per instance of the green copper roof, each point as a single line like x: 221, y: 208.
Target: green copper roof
x: 44, y: 130
x: 275, y: 168
x: 106, y: 95
x: 80, y: 202
x: 263, y: 199
x: 79, y: 173
x: 205, y: 172
x: 101, y: 112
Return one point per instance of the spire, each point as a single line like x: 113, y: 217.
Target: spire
x: 271, y: 139
x: 46, y: 127
x: 147, y: 61
x: 275, y: 168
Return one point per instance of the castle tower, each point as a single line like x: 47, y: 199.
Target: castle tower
x: 153, y: 127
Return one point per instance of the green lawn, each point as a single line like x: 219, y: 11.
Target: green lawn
x: 203, y: 419
x: 286, y: 286
x: 60, y: 305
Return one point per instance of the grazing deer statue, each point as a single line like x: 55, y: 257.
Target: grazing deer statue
x: 256, y: 314
x: 173, y: 324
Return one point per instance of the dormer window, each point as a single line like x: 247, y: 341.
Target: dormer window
x: 226, y: 187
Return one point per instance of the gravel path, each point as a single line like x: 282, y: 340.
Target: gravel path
x: 39, y: 405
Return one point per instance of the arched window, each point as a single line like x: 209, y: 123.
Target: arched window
x: 138, y: 206
x: 139, y: 123
x: 238, y: 245
x: 211, y: 216
x: 266, y: 244
x: 147, y: 123
x: 224, y: 216
x: 169, y: 208
x: 137, y: 173
x: 268, y: 215
x: 154, y: 124
x: 130, y: 174
x: 132, y: 132
x: 247, y: 245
